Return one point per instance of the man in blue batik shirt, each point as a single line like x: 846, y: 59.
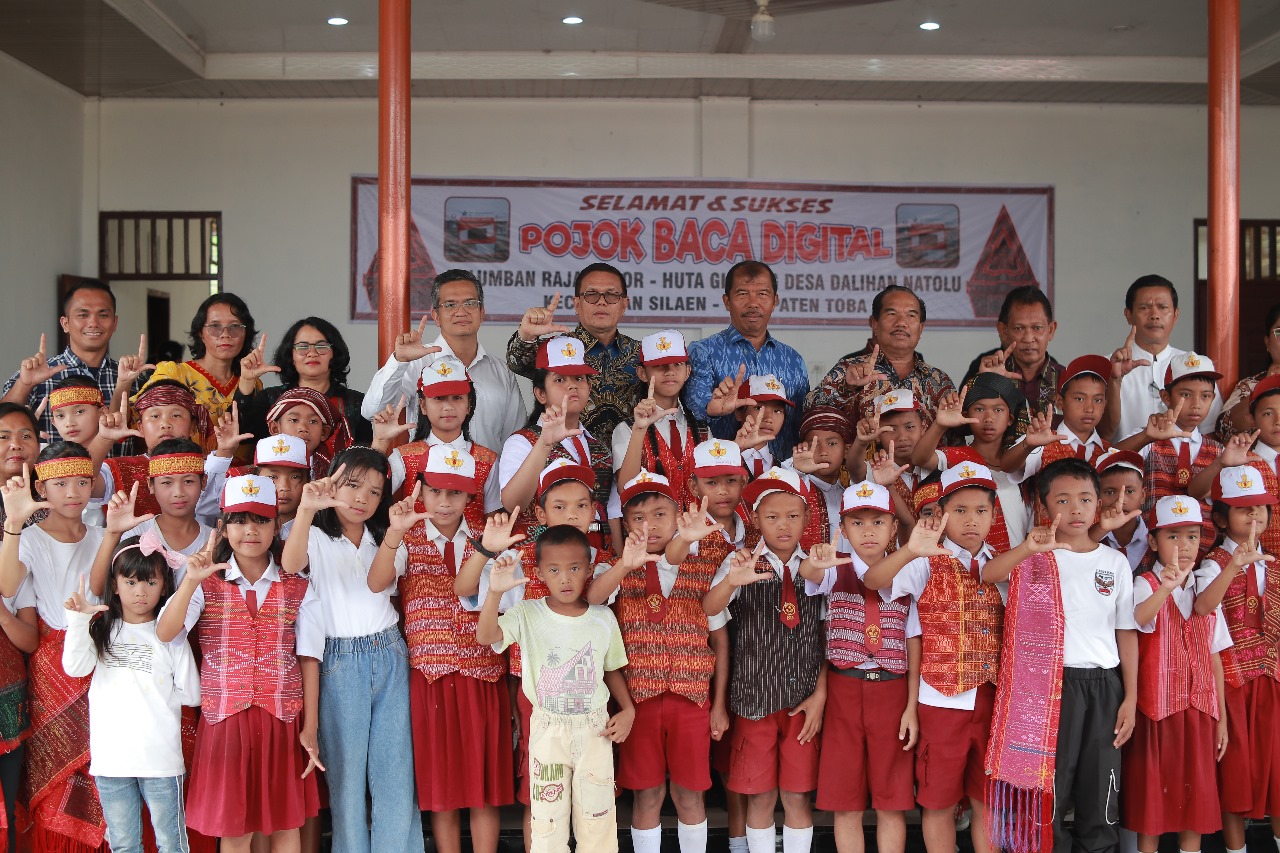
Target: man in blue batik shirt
x: 751, y: 294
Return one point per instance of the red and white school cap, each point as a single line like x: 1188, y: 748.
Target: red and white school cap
x: 444, y: 377
x: 646, y: 482
x: 1116, y: 458
x: 764, y: 389
x: 1241, y: 485
x: 287, y: 451
x: 449, y: 468
x: 865, y: 495
x: 897, y: 400
x: 774, y: 480
x: 1094, y: 365
x: 964, y: 475
x: 717, y: 457
x: 562, y: 469
x: 564, y: 355
x: 249, y: 493
x: 1190, y: 364
x: 1269, y: 385
x: 1175, y: 511
x: 665, y: 347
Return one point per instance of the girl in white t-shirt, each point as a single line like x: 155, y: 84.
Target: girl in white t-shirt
x: 135, y: 699
x: 366, y: 743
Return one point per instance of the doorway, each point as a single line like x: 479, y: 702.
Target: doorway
x: 1259, y: 289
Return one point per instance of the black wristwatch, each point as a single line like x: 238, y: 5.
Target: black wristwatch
x: 480, y: 549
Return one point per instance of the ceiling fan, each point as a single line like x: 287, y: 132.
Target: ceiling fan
x: 760, y: 12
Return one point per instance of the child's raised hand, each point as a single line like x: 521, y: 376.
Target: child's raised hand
x: 825, y: 555
x: 694, y: 524
x: 502, y: 577
x: 1163, y: 426
x: 648, y: 412
x: 749, y: 437
x: 868, y: 429
x: 951, y: 414
x: 114, y: 426
x: 1042, y: 540
x: 1173, y: 575
x: 255, y: 365
x: 802, y: 458
x: 724, y: 398
x: 1114, y: 517
x: 619, y: 725
x: 1040, y: 431
x: 860, y: 374
x: 883, y: 469
x: 497, y: 535
x: 323, y: 493
x: 386, y: 423
x: 635, y: 550
x: 36, y: 369
x: 200, y: 565
x: 742, y: 566
x: 403, y: 515
x: 307, y: 737
x: 120, y: 512
x: 926, y: 536
x: 227, y: 431
x: 1247, y: 553
x: 554, y: 429
x: 1236, y: 451
x: 19, y: 505
x: 130, y: 367
x: 79, y: 600
x: 409, y: 346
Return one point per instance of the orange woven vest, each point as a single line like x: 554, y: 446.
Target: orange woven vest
x: 961, y: 622
x: 414, y: 457
x: 1253, y: 652
x: 1174, y: 671
x: 671, y: 656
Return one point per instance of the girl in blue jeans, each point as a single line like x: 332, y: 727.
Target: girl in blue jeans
x: 366, y: 743
x: 135, y: 699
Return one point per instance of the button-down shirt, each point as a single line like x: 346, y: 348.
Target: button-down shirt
x: 1140, y: 393
x: 105, y: 375
x: 1184, y: 598
x: 499, y: 405
x: 714, y: 359
x: 928, y: 383
x: 1209, y: 570
x: 612, y: 389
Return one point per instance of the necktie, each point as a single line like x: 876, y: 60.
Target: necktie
x: 757, y: 465
x: 1082, y: 453
x: 251, y: 601
x: 975, y: 571
x: 450, y: 562
x: 871, y: 620
x: 1253, y: 609
x: 677, y: 447
x: 788, y: 611
x: 655, y: 601
x: 581, y: 450
x: 1184, y: 463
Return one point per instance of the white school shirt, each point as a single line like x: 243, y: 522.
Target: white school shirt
x: 860, y: 568
x: 1137, y: 547
x: 1267, y: 453
x: 1097, y: 601
x: 139, y: 686
x: 492, y: 491
x: 737, y: 539
x: 911, y: 581
x: 1209, y: 570
x: 1035, y: 459
x: 1184, y: 598
x: 1197, y: 439
x: 1140, y: 393
x: 499, y: 404
x: 54, y: 569
x: 517, y: 448
x: 774, y: 562
x: 621, y: 438
x: 199, y: 542
x: 339, y: 574
x: 833, y: 497
x: 308, y: 630
x: 763, y: 454
x: 1017, y: 515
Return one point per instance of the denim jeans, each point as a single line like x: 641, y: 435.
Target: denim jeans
x: 122, y: 799
x: 366, y: 744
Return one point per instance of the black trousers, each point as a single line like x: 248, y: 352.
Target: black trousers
x: 1087, y: 775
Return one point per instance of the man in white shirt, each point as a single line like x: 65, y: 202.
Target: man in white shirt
x: 457, y: 307
x: 1151, y: 310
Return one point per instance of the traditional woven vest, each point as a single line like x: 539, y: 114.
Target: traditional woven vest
x: 250, y: 660
x: 1049, y: 454
x: 818, y: 528
x: 1253, y: 652
x: 998, y: 538
x: 846, y: 622
x: 414, y: 457
x: 127, y: 470
x: 535, y: 588
x: 440, y: 632
x: 1175, y: 671
x: 659, y: 458
x: 961, y: 622
x: 1161, y: 480
x: 671, y: 656
x: 1270, y: 538
x: 774, y: 667
x: 14, y: 719
x: 601, y: 462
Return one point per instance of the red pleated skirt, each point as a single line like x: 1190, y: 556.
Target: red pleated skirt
x: 1249, y: 774
x: 247, y: 777
x: 461, y: 742
x: 1169, y: 778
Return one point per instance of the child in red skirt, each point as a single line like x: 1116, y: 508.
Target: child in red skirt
x: 256, y: 744
x: 1238, y: 576
x: 1181, y: 727
x: 873, y: 651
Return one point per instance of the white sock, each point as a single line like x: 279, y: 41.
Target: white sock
x: 1180, y: 850
x: 797, y: 840
x: 762, y: 840
x: 647, y: 840
x: 738, y: 844
x: 693, y: 837
x: 1241, y: 850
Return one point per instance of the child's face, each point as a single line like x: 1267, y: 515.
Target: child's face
x: 1074, y: 502
x: 301, y: 422
x: 1082, y: 403
x: 869, y: 531
x: 828, y: 451
x: 771, y: 415
x: 567, y: 502
x: 177, y: 493
x: 659, y: 511
x: 250, y: 539
x: 67, y: 496
x: 1266, y: 418
x: 361, y: 491
x: 781, y: 517
x: 1185, y: 539
x: 970, y: 512
x: 570, y: 393
x: 138, y: 598
x: 929, y: 510
x: 904, y: 435
x: 445, y: 414
x: 565, y: 569
x: 1196, y: 397
x: 156, y: 423
x: 723, y: 493
x: 1240, y: 521
x: 668, y: 379
x: 289, y: 482
x: 993, y: 418
x: 19, y: 444
x: 1123, y: 488
x: 445, y: 506
x: 77, y: 423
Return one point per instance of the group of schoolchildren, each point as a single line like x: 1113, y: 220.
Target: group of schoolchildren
x: 914, y: 610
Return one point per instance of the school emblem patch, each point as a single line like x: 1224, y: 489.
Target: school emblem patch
x: 873, y: 633
x: 1104, y: 581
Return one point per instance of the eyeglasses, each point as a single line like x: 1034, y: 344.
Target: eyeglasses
x: 611, y: 297
x: 1276, y: 332
x: 217, y: 330
x: 469, y: 304
x: 320, y: 348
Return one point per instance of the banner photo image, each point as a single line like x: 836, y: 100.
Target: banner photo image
x: 832, y: 246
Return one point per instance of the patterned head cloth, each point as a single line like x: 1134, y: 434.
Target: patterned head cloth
x: 166, y: 394
x: 340, y: 433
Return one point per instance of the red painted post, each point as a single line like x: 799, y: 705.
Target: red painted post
x: 1224, y: 189
x: 393, y: 173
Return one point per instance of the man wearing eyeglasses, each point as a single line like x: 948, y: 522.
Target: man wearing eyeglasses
x: 457, y: 307
x: 599, y: 300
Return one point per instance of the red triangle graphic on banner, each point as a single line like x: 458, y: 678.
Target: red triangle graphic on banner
x: 1002, y: 267
x: 422, y: 271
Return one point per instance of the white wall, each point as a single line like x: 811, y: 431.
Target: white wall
x: 41, y: 139
x: 1129, y: 181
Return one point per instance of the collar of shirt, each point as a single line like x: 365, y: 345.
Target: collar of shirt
x: 733, y: 336
x: 1139, y: 536
x: 776, y: 562
x: 590, y: 341
x: 823, y: 486
x: 459, y: 442
x: 272, y: 573
x: 1094, y: 438
x: 1267, y: 453
x: 984, y: 553
x: 1045, y: 379
x: 445, y: 349
x: 67, y: 356
x: 438, y: 539
x: 1197, y: 438
x: 886, y: 367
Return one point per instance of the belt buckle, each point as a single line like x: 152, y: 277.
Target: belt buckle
x: 873, y: 674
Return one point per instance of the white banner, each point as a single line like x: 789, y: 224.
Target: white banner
x: 832, y: 246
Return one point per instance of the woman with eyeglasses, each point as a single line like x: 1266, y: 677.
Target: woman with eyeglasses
x: 1235, y: 415
x: 222, y: 332
x: 312, y: 354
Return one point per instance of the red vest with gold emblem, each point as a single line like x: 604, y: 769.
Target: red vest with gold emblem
x: 671, y: 656
x: 661, y: 459
x: 414, y: 457
x: 846, y: 625
x: 818, y: 527
x: 1253, y: 652
x: 127, y: 470
x: 961, y: 622
x: 1161, y: 479
x: 1175, y: 672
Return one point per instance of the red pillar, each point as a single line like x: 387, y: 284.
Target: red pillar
x: 393, y: 173
x: 1224, y: 189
